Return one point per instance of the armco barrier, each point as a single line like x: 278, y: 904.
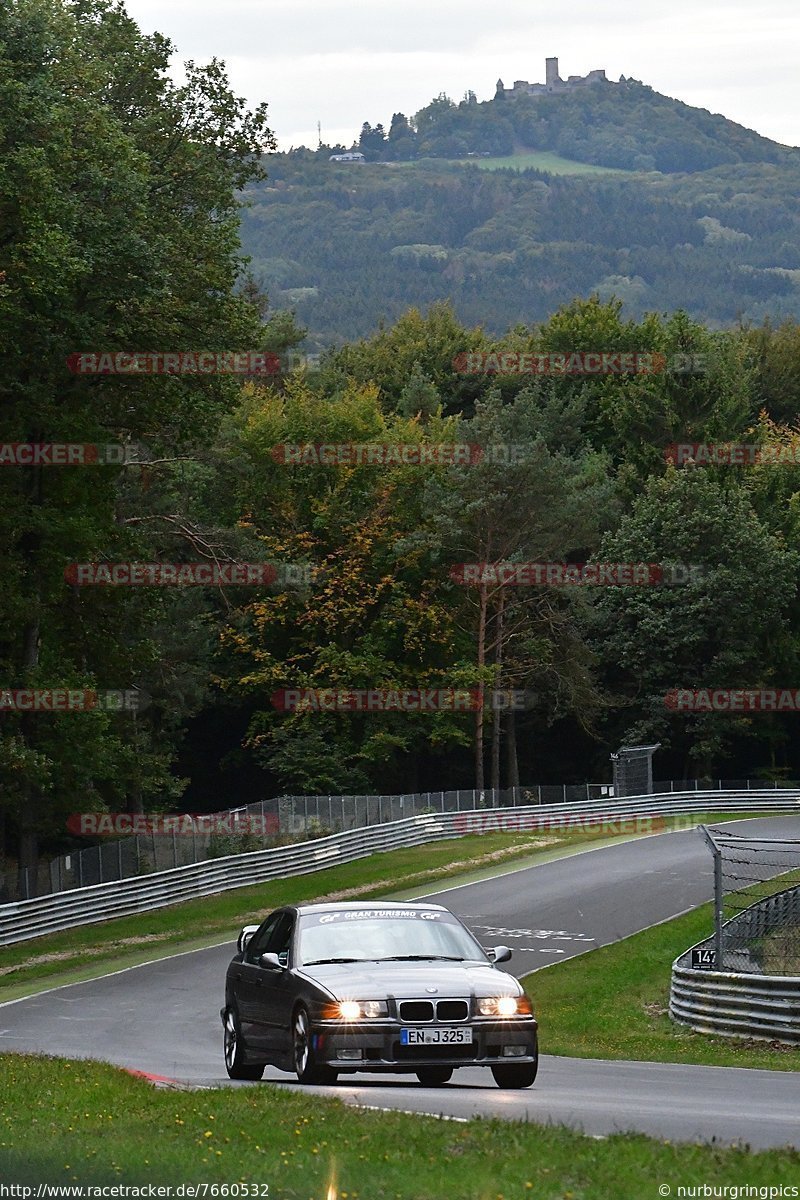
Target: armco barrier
x: 27, y: 919
x: 734, y: 1005
x: 741, y: 1003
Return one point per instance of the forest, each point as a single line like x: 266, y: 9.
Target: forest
x: 348, y: 246
x: 360, y: 587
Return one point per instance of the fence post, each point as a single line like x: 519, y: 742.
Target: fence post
x: 80, y: 868
x: 718, y: 900
x: 100, y: 862
x: 119, y: 858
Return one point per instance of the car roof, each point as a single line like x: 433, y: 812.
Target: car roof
x: 365, y: 906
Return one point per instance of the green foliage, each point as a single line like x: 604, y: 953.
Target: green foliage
x: 100, y: 224
x: 506, y: 247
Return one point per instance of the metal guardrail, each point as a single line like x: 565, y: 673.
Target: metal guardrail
x: 741, y: 1003
x: 28, y: 919
x: 293, y: 818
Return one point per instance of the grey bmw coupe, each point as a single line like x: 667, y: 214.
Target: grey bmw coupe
x: 321, y: 989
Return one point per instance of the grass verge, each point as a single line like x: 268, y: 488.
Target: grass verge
x: 83, y: 952
x: 84, y: 1123
x: 77, y: 954
x: 612, y: 1003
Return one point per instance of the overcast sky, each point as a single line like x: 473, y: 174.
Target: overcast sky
x: 342, y: 62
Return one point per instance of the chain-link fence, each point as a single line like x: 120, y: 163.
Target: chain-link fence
x: 756, y: 904
x: 178, y: 841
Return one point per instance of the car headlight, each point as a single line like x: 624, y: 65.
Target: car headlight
x: 355, y: 1010
x: 504, y: 1006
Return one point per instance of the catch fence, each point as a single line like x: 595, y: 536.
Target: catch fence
x: 287, y: 819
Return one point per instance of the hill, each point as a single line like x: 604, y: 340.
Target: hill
x: 626, y: 125
x: 347, y: 246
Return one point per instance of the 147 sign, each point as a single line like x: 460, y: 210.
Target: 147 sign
x: 703, y: 956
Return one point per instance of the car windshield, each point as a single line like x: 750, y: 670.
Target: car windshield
x: 368, y: 936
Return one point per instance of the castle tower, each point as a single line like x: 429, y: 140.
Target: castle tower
x: 551, y: 72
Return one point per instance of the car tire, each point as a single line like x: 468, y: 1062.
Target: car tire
x: 434, y: 1076
x: 233, y: 1046
x: 516, y: 1075
x: 306, y: 1068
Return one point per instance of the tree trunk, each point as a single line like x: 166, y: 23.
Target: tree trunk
x: 30, y: 805
x: 497, y: 712
x: 479, y: 776
x: 28, y: 837
x: 512, y: 762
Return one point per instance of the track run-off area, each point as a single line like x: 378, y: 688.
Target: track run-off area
x: 163, y: 1017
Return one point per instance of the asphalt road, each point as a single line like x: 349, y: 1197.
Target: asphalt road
x: 163, y: 1017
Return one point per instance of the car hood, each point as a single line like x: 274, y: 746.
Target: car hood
x: 398, y: 980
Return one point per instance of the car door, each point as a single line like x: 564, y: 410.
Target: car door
x: 250, y: 984
x: 278, y: 989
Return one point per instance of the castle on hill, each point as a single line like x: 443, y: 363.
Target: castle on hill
x: 553, y: 82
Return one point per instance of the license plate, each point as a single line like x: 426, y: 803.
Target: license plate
x: 435, y: 1037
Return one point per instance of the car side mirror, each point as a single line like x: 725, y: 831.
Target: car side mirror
x: 244, y: 937
x: 270, y: 960
x: 499, y: 954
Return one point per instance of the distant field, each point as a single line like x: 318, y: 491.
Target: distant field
x: 546, y: 160
x: 542, y: 160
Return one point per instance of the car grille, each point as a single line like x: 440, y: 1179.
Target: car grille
x: 423, y: 1010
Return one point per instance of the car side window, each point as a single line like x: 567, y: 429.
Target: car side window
x: 280, y: 939
x: 258, y: 942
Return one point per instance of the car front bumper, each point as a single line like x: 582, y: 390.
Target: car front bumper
x: 379, y: 1048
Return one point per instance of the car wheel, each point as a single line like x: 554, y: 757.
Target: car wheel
x: 433, y: 1076
x: 517, y: 1075
x: 235, y: 1065
x: 308, y: 1071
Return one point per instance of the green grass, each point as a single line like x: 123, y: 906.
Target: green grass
x: 84, y: 1123
x: 545, y: 160
x: 612, y: 1003
x: 542, y: 160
